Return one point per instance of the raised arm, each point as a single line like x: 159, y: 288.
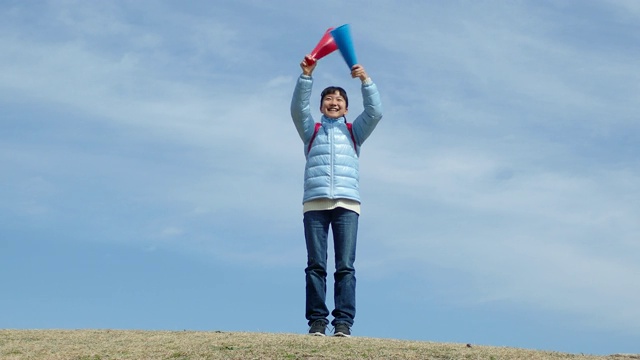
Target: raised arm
x: 300, y: 108
x: 367, y: 121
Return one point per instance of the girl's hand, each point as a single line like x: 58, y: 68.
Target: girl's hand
x: 357, y: 71
x: 307, y: 65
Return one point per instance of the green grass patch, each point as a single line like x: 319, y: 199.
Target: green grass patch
x: 196, y: 345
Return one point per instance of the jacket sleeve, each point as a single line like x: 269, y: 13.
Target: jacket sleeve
x: 300, y: 108
x: 367, y: 121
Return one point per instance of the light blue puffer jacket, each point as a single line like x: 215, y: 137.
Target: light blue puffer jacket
x: 332, y: 164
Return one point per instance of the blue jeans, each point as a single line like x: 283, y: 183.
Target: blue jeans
x: 344, y: 225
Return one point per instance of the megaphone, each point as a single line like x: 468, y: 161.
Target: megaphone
x: 342, y: 37
x: 325, y: 46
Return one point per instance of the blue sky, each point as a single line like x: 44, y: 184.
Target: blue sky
x: 152, y: 177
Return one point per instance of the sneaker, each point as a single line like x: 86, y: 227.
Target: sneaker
x: 342, y: 330
x: 318, y: 328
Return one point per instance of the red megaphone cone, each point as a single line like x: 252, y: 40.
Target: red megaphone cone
x: 325, y: 46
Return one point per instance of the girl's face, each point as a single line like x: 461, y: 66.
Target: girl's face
x: 333, y: 105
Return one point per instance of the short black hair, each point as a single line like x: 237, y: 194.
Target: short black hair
x: 332, y: 90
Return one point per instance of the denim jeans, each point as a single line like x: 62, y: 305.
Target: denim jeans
x: 344, y: 226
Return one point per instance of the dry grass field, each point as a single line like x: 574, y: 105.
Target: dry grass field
x: 179, y: 345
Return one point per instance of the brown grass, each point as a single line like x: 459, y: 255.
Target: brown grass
x: 179, y: 345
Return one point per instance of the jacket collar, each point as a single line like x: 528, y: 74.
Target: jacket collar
x: 330, y: 120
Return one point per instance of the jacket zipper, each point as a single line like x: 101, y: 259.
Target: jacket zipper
x: 333, y: 154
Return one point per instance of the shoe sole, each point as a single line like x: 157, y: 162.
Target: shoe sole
x: 339, y: 334
x: 317, y: 334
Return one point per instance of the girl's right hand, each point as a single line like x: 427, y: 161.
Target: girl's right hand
x: 308, y: 65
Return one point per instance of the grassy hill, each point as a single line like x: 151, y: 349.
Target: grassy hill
x: 178, y: 345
